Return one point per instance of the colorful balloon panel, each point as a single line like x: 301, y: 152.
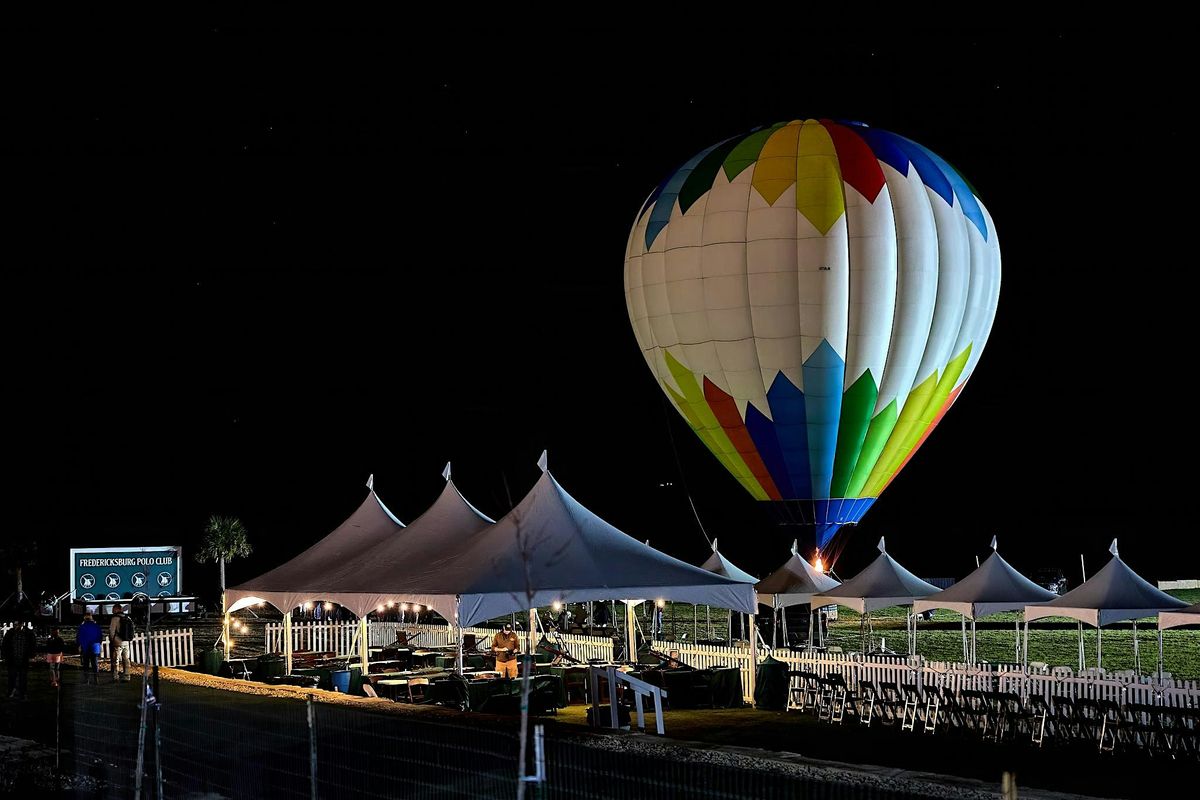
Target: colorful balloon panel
x: 812, y: 296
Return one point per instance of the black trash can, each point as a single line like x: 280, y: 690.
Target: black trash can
x: 771, y: 685
x: 269, y: 666
x: 210, y: 661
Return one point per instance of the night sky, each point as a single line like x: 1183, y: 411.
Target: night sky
x: 307, y: 256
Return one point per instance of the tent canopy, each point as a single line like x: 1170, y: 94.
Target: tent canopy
x: 993, y: 587
x: 1176, y: 619
x: 882, y: 584
x: 550, y: 547
x: 1114, y: 594
x: 284, y: 587
x: 720, y: 565
x: 793, y: 584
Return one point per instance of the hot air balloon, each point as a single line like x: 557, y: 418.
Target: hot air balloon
x: 812, y: 297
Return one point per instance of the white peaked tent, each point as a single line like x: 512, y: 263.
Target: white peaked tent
x: 793, y: 584
x: 1114, y: 594
x: 290, y: 584
x: 993, y: 587
x: 1177, y: 619
x: 720, y: 565
x: 550, y: 548
x: 1174, y: 619
x: 882, y: 584
x: 284, y: 587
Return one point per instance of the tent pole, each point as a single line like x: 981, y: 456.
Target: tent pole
x: 1099, y: 645
x: 753, y: 652
x: 1025, y: 647
x: 1137, y: 664
x: 533, y: 621
x: 287, y: 640
x: 458, y: 656
x: 963, y: 618
x: 630, y: 636
x: 783, y: 612
x: 974, y: 652
x: 1081, y: 647
x: 707, y: 621
x: 1160, y: 657
x: 695, y: 623
x: 364, y: 659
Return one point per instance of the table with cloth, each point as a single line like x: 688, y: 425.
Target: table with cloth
x: 720, y: 687
x: 498, y: 695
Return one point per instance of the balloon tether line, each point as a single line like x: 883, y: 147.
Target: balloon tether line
x: 682, y: 479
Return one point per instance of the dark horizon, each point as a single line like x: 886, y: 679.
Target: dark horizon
x: 426, y: 266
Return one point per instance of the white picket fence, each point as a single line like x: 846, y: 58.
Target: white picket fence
x: 172, y: 648
x: 341, y: 638
x: 705, y: 656
x: 916, y: 672
x: 913, y: 671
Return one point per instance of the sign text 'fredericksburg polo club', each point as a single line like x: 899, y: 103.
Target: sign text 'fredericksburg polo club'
x: 122, y: 573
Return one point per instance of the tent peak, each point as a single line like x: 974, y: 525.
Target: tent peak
x: 446, y: 471
x: 882, y: 549
x: 796, y: 547
x: 993, y: 543
x: 1112, y: 548
x: 543, y: 462
x: 714, y: 544
x: 371, y: 481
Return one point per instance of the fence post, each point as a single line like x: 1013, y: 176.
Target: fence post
x: 158, y: 749
x: 312, y: 751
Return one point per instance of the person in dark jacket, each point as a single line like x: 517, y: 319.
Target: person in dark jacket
x: 89, y: 637
x: 18, y: 645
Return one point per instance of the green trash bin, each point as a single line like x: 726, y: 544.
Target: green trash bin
x: 210, y: 661
x: 269, y: 666
x: 771, y: 685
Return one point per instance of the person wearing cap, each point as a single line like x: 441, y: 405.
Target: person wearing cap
x: 505, y: 646
x: 120, y: 634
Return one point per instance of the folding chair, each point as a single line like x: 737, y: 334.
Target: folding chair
x: 1039, y: 711
x: 889, y: 696
x: 866, y: 702
x: 933, y: 707
x: 912, y: 698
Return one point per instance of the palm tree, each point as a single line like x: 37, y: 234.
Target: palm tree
x: 225, y: 538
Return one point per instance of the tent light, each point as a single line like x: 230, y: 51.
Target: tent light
x: 308, y: 606
x: 819, y: 565
x: 416, y: 607
x: 557, y: 605
x: 379, y: 609
x: 404, y: 606
x: 328, y: 606
x: 391, y: 603
x: 660, y: 602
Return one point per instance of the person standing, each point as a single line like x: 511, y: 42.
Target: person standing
x: 505, y: 646
x: 54, y: 656
x: 120, y: 634
x: 18, y: 645
x: 89, y: 637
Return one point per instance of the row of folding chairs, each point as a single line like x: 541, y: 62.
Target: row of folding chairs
x: 1002, y: 716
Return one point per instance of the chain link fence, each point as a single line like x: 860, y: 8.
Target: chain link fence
x: 205, y: 743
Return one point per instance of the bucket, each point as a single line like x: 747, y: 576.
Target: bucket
x: 341, y: 680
